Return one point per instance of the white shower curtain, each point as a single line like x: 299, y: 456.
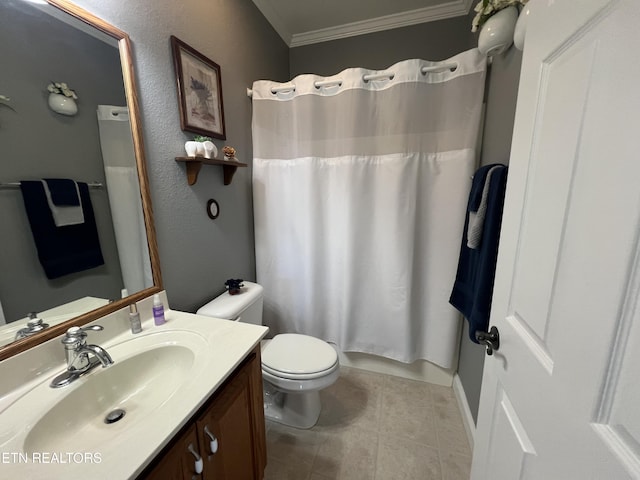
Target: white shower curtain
x: 360, y: 191
x: 124, y: 196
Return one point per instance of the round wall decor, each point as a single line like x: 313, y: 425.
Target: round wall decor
x: 213, y: 209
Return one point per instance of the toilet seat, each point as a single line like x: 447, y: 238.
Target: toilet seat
x: 298, y: 357
x: 299, y: 376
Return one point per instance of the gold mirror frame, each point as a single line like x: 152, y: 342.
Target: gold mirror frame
x: 124, y: 47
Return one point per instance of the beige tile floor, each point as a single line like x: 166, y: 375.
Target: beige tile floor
x: 374, y: 427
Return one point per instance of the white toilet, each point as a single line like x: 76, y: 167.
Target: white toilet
x: 294, y: 367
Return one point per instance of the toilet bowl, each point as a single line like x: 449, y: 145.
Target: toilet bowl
x: 294, y: 367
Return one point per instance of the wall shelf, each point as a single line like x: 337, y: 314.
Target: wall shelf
x: 194, y: 164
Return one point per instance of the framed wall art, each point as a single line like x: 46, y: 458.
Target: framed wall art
x: 199, y: 91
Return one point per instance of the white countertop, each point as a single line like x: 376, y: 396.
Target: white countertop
x: 53, y: 316
x: 136, y: 443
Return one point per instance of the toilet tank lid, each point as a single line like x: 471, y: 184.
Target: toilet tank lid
x: 230, y: 306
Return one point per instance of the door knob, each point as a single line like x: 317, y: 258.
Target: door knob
x: 490, y: 339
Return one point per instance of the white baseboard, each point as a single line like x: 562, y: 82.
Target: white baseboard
x: 465, y: 411
x: 419, y: 370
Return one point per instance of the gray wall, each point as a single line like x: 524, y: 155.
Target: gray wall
x: 428, y: 41
x: 198, y: 254
x: 501, y: 94
x: 38, y: 143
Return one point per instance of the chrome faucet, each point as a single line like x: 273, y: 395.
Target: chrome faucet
x: 34, y: 325
x: 77, y: 352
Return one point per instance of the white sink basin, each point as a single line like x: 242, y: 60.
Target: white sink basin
x: 138, y: 385
x: 147, y: 372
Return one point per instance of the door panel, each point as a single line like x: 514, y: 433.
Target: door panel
x: 617, y: 418
x: 559, y: 399
x: 563, y: 90
x: 507, y: 431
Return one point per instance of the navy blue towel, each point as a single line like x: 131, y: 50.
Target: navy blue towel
x: 473, y: 287
x: 61, y: 250
x: 63, y: 192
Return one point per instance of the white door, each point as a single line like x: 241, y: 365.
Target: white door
x: 561, y: 398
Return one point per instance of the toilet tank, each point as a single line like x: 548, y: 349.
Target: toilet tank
x: 245, y: 306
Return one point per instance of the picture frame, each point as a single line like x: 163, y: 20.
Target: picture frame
x: 199, y: 91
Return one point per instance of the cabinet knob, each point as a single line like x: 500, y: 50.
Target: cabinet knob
x: 213, y: 441
x: 198, y: 465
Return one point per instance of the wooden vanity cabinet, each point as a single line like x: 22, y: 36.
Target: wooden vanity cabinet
x: 178, y: 463
x: 228, y: 432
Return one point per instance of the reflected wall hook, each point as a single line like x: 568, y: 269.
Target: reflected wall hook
x: 491, y: 339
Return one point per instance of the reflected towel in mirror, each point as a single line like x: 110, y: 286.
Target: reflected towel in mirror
x: 63, y: 198
x: 61, y: 250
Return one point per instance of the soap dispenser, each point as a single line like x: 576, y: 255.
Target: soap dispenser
x: 134, y: 319
x: 158, y: 310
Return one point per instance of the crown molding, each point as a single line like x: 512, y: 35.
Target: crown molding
x: 451, y: 9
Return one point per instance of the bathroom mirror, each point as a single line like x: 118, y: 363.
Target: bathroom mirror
x: 100, y: 145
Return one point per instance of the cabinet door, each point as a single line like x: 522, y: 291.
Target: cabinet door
x: 229, y: 423
x: 179, y: 463
x: 254, y: 368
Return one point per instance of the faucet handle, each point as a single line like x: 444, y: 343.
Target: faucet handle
x: 35, y: 324
x: 75, y: 336
x: 95, y: 328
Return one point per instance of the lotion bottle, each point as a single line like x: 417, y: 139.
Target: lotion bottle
x: 134, y: 318
x: 158, y: 310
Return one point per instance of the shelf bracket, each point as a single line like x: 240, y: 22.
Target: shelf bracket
x: 194, y: 164
x: 228, y: 171
x: 193, y: 169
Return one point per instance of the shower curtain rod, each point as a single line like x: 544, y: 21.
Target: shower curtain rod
x: 17, y: 185
x: 291, y: 87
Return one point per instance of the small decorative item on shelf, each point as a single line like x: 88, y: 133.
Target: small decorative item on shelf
x: 229, y: 152
x: 201, y: 146
x: 496, y: 20
x: 234, y: 285
x: 209, y: 150
x: 191, y: 147
x: 62, y: 99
